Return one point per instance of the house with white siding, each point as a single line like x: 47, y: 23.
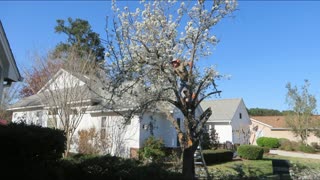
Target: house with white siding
x: 230, y: 119
x: 126, y: 138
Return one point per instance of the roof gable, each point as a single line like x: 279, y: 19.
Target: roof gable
x: 223, y: 110
x: 58, y: 81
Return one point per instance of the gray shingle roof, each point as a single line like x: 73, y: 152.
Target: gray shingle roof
x: 223, y: 110
x: 81, y: 93
x: 31, y: 101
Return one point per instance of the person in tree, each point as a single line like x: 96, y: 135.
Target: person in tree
x: 181, y: 70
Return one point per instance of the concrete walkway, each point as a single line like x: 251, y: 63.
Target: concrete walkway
x: 295, y: 154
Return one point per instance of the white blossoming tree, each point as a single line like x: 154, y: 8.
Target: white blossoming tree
x: 140, y: 47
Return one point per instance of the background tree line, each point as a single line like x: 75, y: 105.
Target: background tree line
x: 267, y: 112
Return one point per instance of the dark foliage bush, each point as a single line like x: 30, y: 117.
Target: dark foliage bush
x: 110, y: 167
x: 28, y: 150
x: 268, y: 142
x: 30, y: 142
x: 250, y: 152
x: 217, y: 156
x: 210, y: 139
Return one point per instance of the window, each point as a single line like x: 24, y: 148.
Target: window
x: 240, y: 115
x: 178, y: 122
x: 103, y: 133
x: 103, y: 127
x: 39, y: 118
x: 103, y: 122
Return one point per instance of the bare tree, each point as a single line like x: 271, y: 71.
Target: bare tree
x: 9, y: 96
x: 44, y: 67
x: 67, y: 94
x: 140, y: 48
x: 303, y: 106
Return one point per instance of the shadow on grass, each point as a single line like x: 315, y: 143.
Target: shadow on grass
x: 266, y: 168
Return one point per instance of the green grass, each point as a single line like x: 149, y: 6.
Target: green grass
x: 256, y: 169
x: 303, y: 162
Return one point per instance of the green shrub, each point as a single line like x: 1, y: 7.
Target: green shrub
x: 283, y: 140
x: 153, y: 149
x: 210, y: 140
x: 306, y: 148
x: 260, y: 141
x: 290, y: 145
x: 268, y: 142
x: 286, y: 146
x: 250, y: 152
x: 217, y: 156
x: 266, y: 150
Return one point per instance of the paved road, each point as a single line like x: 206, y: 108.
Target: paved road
x: 295, y: 154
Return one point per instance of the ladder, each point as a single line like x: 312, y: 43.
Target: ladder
x: 201, y: 169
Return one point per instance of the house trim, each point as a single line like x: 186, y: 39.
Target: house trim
x: 28, y: 107
x: 256, y: 121
x: 281, y: 129
x: 8, y: 53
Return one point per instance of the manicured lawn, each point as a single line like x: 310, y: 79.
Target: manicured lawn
x: 259, y: 168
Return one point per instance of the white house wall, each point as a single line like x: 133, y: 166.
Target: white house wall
x: 160, y: 127
x: 120, y: 137
x: 37, y: 117
x: 241, y: 125
x: 223, y: 131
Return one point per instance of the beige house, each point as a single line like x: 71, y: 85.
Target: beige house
x: 274, y: 126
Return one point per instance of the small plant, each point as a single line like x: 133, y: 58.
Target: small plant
x: 210, y: 140
x: 153, y: 150
x: 90, y: 142
x: 315, y: 145
x: 306, y: 148
x: 250, y: 152
x: 290, y: 146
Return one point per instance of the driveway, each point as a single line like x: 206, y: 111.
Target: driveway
x: 295, y: 154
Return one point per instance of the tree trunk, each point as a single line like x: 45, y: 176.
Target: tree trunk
x: 66, y: 153
x: 188, y: 163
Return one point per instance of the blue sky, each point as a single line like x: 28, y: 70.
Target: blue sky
x: 264, y: 46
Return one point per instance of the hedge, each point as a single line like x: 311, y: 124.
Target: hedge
x: 268, y: 142
x: 31, y: 142
x: 217, y: 156
x: 250, y: 152
x: 111, y: 167
x: 28, y: 150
